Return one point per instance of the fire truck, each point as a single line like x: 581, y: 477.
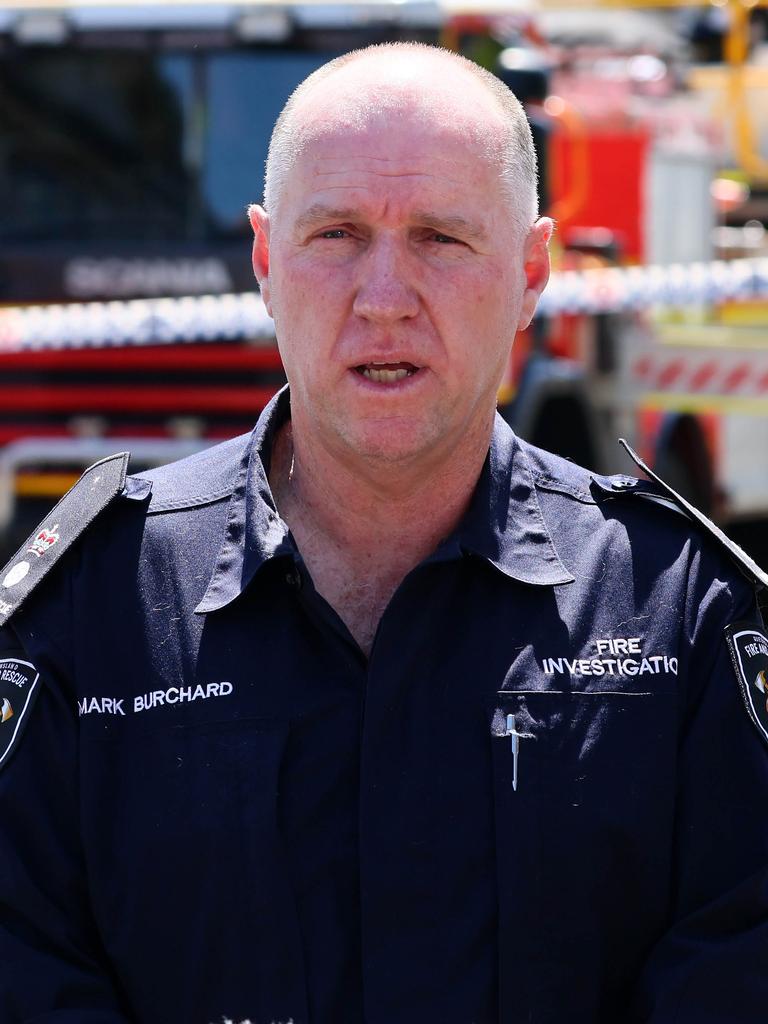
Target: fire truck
x: 133, y: 136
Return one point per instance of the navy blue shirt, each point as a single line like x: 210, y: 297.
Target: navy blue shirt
x: 221, y: 808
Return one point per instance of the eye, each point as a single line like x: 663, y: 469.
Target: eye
x: 444, y: 239
x: 334, y: 233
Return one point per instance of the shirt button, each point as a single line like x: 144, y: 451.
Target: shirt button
x: 623, y: 483
x: 293, y: 579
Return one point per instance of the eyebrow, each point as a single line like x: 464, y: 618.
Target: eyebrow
x: 451, y: 224
x: 317, y: 213
x: 447, y: 224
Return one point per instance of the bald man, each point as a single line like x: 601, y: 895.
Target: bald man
x: 380, y: 715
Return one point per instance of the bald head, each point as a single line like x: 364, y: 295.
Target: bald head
x: 427, y: 84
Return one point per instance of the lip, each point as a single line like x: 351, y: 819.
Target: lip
x: 398, y: 387
x: 382, y: 359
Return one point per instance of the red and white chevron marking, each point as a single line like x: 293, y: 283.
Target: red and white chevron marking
x: 703, y: 373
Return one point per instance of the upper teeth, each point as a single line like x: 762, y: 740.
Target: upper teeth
x: 385, y: 376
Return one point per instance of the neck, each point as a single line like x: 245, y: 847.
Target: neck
x: 362, y: 527
x: 398, y: 512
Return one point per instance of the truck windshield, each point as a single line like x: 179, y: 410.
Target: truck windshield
x: 130, y: 144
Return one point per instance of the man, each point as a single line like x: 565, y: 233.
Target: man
x: 381, y: 714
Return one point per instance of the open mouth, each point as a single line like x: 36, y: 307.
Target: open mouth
x: 387, y: 373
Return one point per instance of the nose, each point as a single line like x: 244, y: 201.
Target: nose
x: 385, y: 291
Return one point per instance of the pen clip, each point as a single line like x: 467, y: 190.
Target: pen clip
x: 515, y: 737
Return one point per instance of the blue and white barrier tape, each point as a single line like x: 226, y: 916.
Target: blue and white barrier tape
x: 236, y: 317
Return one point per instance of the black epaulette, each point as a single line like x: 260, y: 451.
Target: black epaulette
x: 747, y: 565
x: 97, y: 488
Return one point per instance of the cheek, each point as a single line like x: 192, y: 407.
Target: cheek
x: 289, y: 293
x: 501, y: 303
x: 310, y: 295
x: 308, y: 316
x: 482, y: 347
x: 488, y: 306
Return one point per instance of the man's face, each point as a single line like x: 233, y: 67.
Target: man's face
x: 397, y: 281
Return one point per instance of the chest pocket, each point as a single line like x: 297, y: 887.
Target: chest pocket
x: 583, y: 843
x: 569, y: 741
x: 181, y: 829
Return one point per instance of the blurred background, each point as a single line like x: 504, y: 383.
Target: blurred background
x: 133, y: 136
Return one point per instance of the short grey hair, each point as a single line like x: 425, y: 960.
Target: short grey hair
x: 518, y: 157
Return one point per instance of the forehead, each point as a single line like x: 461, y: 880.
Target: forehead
x: 405, y: 155
x: 406, y: 123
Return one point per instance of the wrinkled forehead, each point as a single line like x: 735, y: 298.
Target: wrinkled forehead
x: 408, y: 171
x: 401, y: 108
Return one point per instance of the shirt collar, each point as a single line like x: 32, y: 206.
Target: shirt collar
x: 503, y: 524
x: 254, y: 533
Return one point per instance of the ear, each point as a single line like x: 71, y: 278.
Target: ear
x: 536, y: 265
x: 259, y: 219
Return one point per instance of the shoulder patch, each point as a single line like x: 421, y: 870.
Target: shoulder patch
x: 748, y: 647
x: 746, y: 564
x: 99, y: 485
x: 19, y: 685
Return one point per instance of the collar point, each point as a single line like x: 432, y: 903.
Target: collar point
x: 555, y: 578
x: 536, y: 575
x: 211, y: 603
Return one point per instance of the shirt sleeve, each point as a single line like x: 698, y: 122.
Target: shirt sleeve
x: 53, y: 968
x: 711, y: 965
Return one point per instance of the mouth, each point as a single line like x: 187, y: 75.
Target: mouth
x: 386, y: 373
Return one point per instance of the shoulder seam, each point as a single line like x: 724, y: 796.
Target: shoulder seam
x: 195, y: 501
x: 550, y: 483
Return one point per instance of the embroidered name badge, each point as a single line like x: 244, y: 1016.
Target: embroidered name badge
x: 748, y: 647
x: 18, y: 688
